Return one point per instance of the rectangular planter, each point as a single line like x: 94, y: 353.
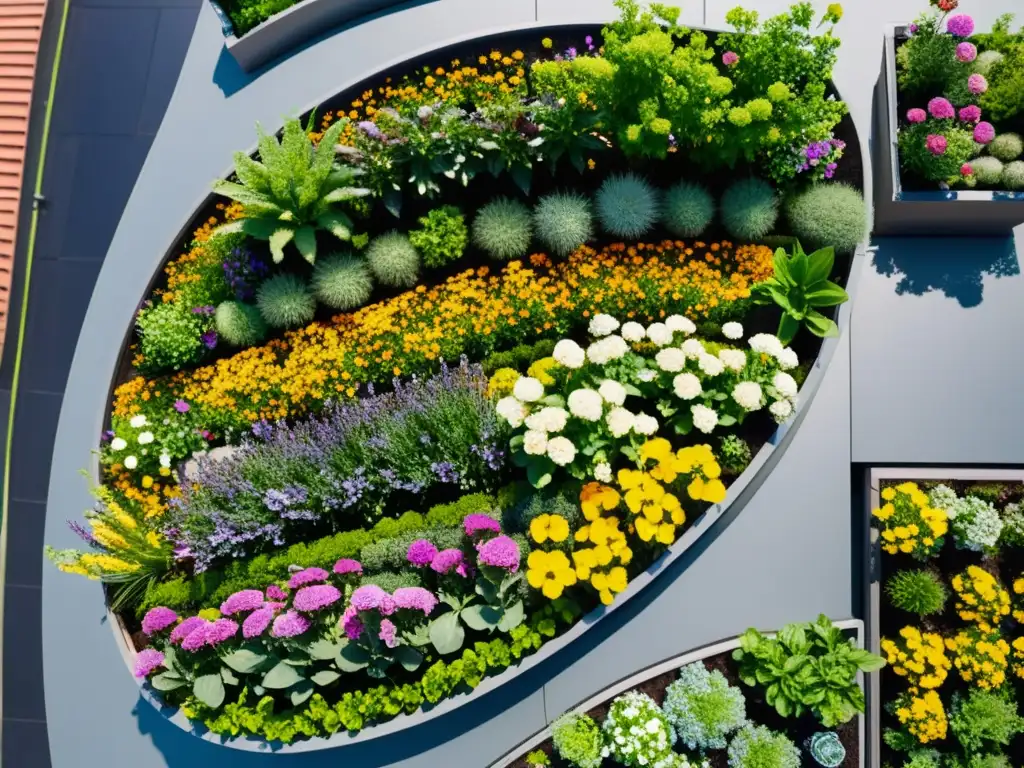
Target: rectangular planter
x: 901, y: 212
x: 873, y: 575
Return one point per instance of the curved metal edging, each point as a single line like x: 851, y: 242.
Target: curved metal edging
x: 697, y: 654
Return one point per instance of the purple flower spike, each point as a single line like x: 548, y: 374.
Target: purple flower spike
x: 158, y: 619
x: 274, y: 592
x: 314, y: 598
x: 246, y: 600
x: 500, y: 552
x: 186, y: 628
x: 347, y: 565
x: 256, y: 623
x: 307, y: 576
x: 290, y: 624
x: 477, y: 523
x: 446, y: 561
x: 388, y: 633
x: 415, y: 599
x: 421, y: 552
x: 147, y: 661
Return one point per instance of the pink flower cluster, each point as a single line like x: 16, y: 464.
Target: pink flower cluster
x: 371, y: 605
x: 960, y: 25
x: 940, y: 108
x: 936, y: 144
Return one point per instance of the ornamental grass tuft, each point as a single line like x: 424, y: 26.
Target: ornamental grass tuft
x: 687, y: 209
x: 285, y: 301
x: 750, y: 208
x: 987, y: 170
x: 503, y: 229
x: 240, y: 325
x: 916, y: 591
x: 1013, y: 175
x: 393, y: 260
x: 563, y: 222
x: 829, y: 215
x: 342, y: 281
x: 627, y: 205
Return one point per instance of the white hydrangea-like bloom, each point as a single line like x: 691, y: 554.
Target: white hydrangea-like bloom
x: 710, y: 364
x: 633, y: 331
x: 561, y: 451
x: 733, y: 359
x: 550, y: 419
x: 511, y: 410
x: 693, y: 348
x: 527, y: 390
x: 781, y: 410
x: 138, y: 421
x: 617, y: 347
x: 607, y: 349
x: 612, y: 392
x: 647, y: 375
x: 602, y: 325
x: 145, y: 438
x: 603, y: 472
x: 165, y: 461
x: 586, y: 404
x: 680, y: 324
x: 671, y: 360
x: 705, y: 419
x: 569, y: 354
x: 130, y: 462
x: 732, y: 331
x: 659, y: 334
x: 644, y: 424
x: 748, y: 394
x: 535, y: 442
x: 787, y: 359
x: 785, y: 383
x: 766, y: 343
x: 118, y: 444
x: 686, y: 386
x: 619, y: 421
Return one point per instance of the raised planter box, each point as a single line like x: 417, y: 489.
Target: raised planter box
x: 292, y: 27
x: 929, y: 212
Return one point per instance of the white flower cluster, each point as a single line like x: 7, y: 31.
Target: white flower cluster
x: 976, y: 524
x: 676, y: 760
x: 637, y: 733
x: 943, y: 497
x: 143, y: 438
x: 542, y: 424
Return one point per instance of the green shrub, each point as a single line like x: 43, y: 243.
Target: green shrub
x: 687, y: 209
x: 984, y: 719
x: 734, y: 454
x: 1006, y: 147
x: 568, y: 78
x: 978, y: 761
x: 246, y: 14
x: 441, y: 237
x: 927, y: 63
x: 985, y: 61
x: 829, y: 215
x: 920, y: 592
x: 563, y: 222
x: 240, y: 325
x: 1013, y: 175
x: 389, y: 554
x: 497, y: 361
x: 342, y: 281
x: 503, y: 229
x: 390, y: 581
x: 1004, y: 99
x: 577, y: 740
x: 393, y: 260
x: 523, y: 356
x: 285, y: 301
x: 627, y: 205
x: 538, y: 759
x: 1012, y: 534
x: 750, y: 208
x: 455, y: 512
x: 543, y: 348
x: 915, y: 155
x: 924, y: 758
x: 987, y: 170
x: 755, y: 746
x: 207, y: 285
x: 703, y: 708
x: 169, y: 337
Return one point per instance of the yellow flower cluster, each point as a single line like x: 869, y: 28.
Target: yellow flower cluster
x: 980, y: 599
x: 923, y: 716
x: 501, y: 383
x: 541, y: 370
x: 1017, y: 657
x: 603, y: 563
x: 656, y: 512
x: 412, y: 331
x: 918, y: 656
x: 545, y: 527
x: 550, y: 572
x: 1018, y: 589
x: 980, y: 658
x: 908, y: 524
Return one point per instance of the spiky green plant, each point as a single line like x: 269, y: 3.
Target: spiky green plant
x: 563, y: 222
x: 918, y: 592
x: 503, y: 230
x: 829, y: 214
x: 292, y: 191
x: 393, y: 260
x: 285, y: 301
x: 239, y: 324
x: 1013, y: 175
x: 987, y: 170
x: 687, y: 209
x: 627, y: 205
x: 1006, y: 147
x: 342, y: 281
x: 750, y: 208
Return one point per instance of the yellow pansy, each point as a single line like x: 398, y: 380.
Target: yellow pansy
x: 550, y: 572
x: 544, y: 527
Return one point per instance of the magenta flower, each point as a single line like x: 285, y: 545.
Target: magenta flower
x: 970, y: 114
x: 916, y: 115
x: 936, y: 144
x: 940, y: 108
x: 274, y: 592
x: 186, y: 628
x: 387, y: 633
x: 157, y: 619
x: 499, y: 552
x: 730, y: 58
x: 984, y: 132
x: 315, y: 597
x: 966, y: 52
x: 446, y: 560
x: 370, y: 597
x: 289, y: 624
x: 960, y: 25
x: 478, y: 522
x: 181, y: 406
x: 977, y: 84
x: 421, y: 552
x: 245, y: 600
x: 966, y: 170
x: 307, y: 576
x: 415, y: 599
x: 256, y: 623
x: 147, y: 661
x: 347, y: 565
x: 221, y: 630
x: 351, y: 623
x: 197, y: 637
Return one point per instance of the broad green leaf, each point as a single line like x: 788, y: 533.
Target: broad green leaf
x: 487, y: 589
x: 261, y: 229
x: 228, y: 676
x: 352, y: 657
x: 820, y: 265
x: 305, y: 241
x: 282, y: 675
x: 244, y: 660
x: 209, y: 689
x: 798, y: 268
x: 481, y: 617
x: 867, y: 661
x: 788, y: 327
x: 281, y: 237
x: 781, y: 263
x: 345, y: 193
x: 166, y: 682
x: 822, y: 326
x: 323, y: 650
x: 521, y: 175
x: 409, y: 658
x: 539, y: 473
x: 300, y: 693
x: 325, y: 677
x: 447, y: 634
x: 780, y: 298
x: 393, y: 202
x: 512, y: 617
x: 727, y: 420
x: 337, y: 223
x: 830, y: 295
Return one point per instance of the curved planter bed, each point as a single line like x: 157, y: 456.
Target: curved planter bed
x: 716, y: 516
x: 652, y: 677
x: 905, y: 212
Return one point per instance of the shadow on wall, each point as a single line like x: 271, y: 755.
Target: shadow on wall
x: 954, y: 265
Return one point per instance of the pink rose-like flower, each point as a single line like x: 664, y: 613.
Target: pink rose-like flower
x: 966, y: 170
x: 480, y: 523
x: 970, y: 114
x: 256, y: 623
x: 245, y: 600
x: 307, y: 576
x: 370, y: 597
x: 984, y: 132
x: 316, y: 597
x: 147, y: 661
x: 977, y: 83
x: 446, y: 561
x: 916, y: 115
x: 936, y: 144
x: 186, y: 628
x: 940, y: 108
x: 421, y: 552
x: 197, y: 637
x: 347, y: 565
x: 290, y: 624
x: 730, y: 58
x: 158, y: 619
x: 415, y: 599
x: 966, y: 52
x: 499, y: 552
x: 960, y: 25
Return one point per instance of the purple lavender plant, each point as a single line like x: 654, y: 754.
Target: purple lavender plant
x: 819, y: 159
x: 243, y: 271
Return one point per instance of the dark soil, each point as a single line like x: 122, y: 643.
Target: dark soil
x: 798, y: 729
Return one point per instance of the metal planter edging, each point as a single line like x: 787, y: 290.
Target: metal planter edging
x: 899, y: 212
